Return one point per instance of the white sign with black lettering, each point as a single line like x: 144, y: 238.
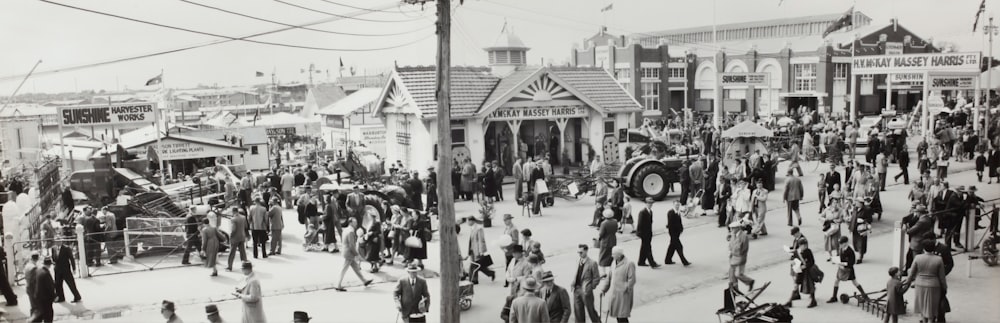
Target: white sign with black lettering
x: 907, y: 77
x: 931, y: 62
x: 537, y: 113
x: 107, y: 114
x: 952, y: 83
x: 743, y: 79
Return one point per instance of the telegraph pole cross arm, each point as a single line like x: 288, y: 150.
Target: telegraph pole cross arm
x: 451, y: 258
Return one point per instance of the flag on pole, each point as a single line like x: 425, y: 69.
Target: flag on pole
x: 341, y: 63
x: 259, y: 74
x: 845, y: 20
x: 982, y: 8
x: 155, y: 80
x: 608, y: 8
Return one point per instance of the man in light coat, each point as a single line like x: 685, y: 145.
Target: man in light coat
x: 477, y: 251
x: 586, y: 279
x: 621, y: 284
x: 739, y: 245
x: 249, y: 293
x: 240, y: 230
x: 697, y: 172
x: 287, y: 185
x: 529, y: 308
x: 518, y: 173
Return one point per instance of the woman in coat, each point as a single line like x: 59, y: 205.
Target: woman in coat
x: 927, y: 275
x: 373, y: 246
x: 802, y: 263
x: 607, y: 238
x: 210, y: 240
x: 421, y: 229
x: 621, y: 285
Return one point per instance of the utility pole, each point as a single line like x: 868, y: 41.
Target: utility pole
x: 989, y: 30
x: 451, y: 260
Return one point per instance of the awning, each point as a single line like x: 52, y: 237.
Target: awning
x: 803, y: 94
x: 747, y: 129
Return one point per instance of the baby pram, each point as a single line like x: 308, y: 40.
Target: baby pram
x: 693, y: 205
x: 465, y: 288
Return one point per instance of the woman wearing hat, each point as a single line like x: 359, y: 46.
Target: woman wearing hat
x: 421, y: 229
x: 607, y: 239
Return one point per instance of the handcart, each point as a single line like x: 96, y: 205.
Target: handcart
x: 875, y: 303
x: 466, y: 289
x: 737, y: 305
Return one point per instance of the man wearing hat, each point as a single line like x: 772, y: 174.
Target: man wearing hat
x: 607, y: 239
x: 246, y: 188
x: 517, y: 269
x: 477, y: 251
x: 556, y: 299
x: 644, y: 230
x: 249, y: 292
x: 510, y: 230
x: 168, y: 310
x: 30, y: 276
x: 411, y: 296
x: 356, y: 204
x: 528, y: 307
x: 259, y: 224
x: 621, y: 284
x: 44, y: 293
x: 351, y: 255
x: 212, y: 313
x: 920, y: 222
x: 300, y: 317
x: 739, y: 245
x: 287, y: 185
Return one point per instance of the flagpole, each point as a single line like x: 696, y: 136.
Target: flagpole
x: 716, y: 108
x: 159, y: 142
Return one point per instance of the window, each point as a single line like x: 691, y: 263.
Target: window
x: 609, y: 125
x: 253, y: 150
x: 623, y: 75
x: 651, y: 95
x: 650, y: 73
x: 677, y: 72
x: 805, y: 77
x: 840, y: 71
x: 867, y: 85
x: 458, y: 136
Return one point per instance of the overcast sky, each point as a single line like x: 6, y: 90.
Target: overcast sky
x: 31, y: 30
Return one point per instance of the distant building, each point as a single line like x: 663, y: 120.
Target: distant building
x: 668, y: 71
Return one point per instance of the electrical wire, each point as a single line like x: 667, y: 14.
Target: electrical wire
x: 303, y: 28
x: 358, y: 8
x: 245, y: 39
x: 338, y: 15
x: 164, y: 52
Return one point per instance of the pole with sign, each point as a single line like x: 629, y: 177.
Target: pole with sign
x: 924, y: 119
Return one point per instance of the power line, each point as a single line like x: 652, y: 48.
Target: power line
x: 359, y: 8
x: 338, y: 15
x: 303, y: 28
x: 176, y: 50
x: 246, y: 39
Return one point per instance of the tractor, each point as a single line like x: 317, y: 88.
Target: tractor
x: 655, y: 164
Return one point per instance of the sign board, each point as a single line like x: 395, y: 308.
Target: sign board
x: 952, y: 83
x: 173, y: 149
x: 743, y: 79
x: 893, y: 48
x: 107, y: 114
x: 602, y: 57
x: 907, y: 77
x: 279, y: 132
x: 935, y: 103
x: 537, y: 113
x: 932, y: 62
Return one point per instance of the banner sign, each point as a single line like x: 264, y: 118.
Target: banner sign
x: 907, y: 77
x: 743, y: 79
x: 104, y: 114
x: 952, y: 83
x: 278, y: 132
x: 893, y: 48
x: 537, y: 113
x: 931, y: 62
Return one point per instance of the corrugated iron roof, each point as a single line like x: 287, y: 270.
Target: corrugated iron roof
x: 596, y: 84
x: 470, y: 86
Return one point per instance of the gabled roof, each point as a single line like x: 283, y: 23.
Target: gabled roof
x: 470, y: 86
x: 352, y: 102
x: 595, y: 84
x: 508, y: 84
x: 320, y: 97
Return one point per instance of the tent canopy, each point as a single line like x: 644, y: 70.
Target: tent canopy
x: 747, y: 129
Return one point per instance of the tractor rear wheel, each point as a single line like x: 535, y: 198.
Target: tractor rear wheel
x: 650, y: 181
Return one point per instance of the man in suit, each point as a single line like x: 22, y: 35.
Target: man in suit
x: 30, y: 278
x: 536, y: 174
x: 739, y: 245
x: 238, y: 237
x: 92, y: 228
x: 586, y: 279
x: 193, y: 242
x: 951, y: 219
x: 556, y: 299
x: 411, y: 295
x: 258, y: 227
x: 881, y: 167
x: 65, y: 265
x: 44, y: 293
x: 831, y: 179
x: 644, y: 229
x: 793, y: 193
x: 518, y: 173
x: 277, y: 223
x: 529, y: 308
x: 287, y: 185
x: 675, y: 227
x: 685, y: 175
x: 697, y: 173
